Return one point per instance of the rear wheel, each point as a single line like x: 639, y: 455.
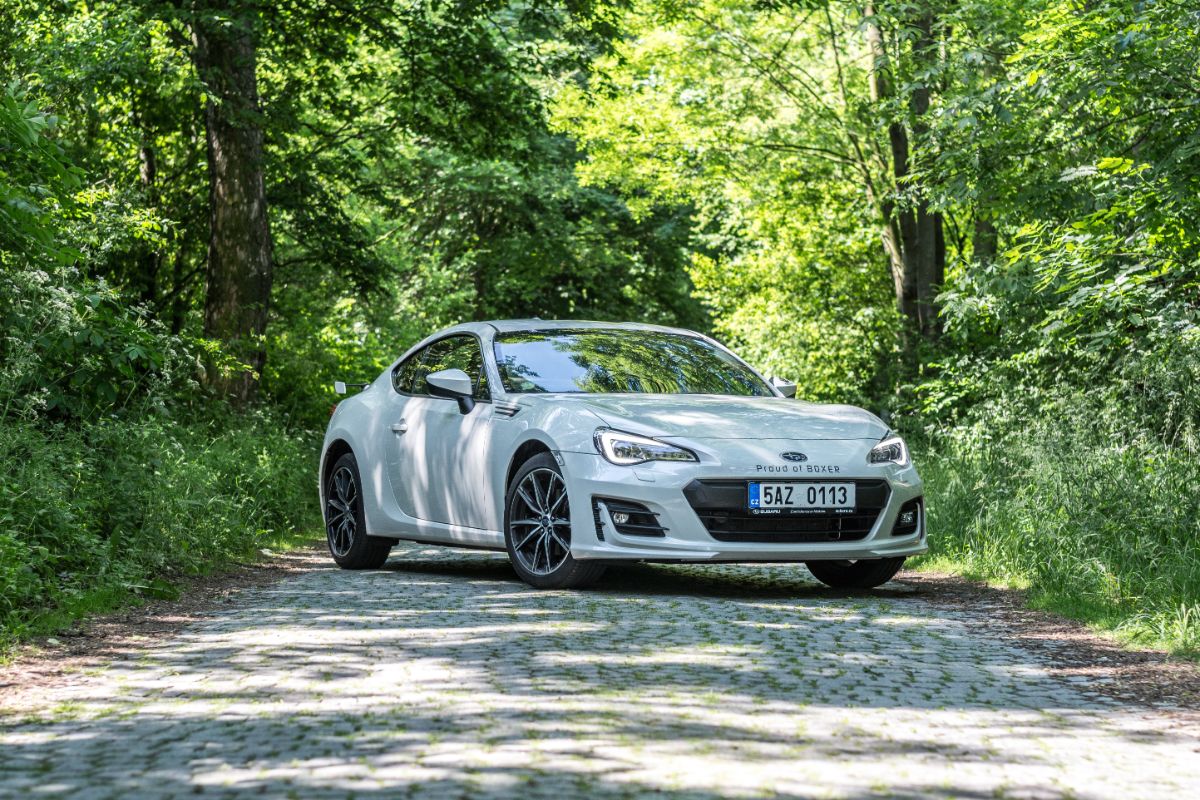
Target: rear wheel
x: 537, y: 528
x: 866, y: 574
x: 345, y: 526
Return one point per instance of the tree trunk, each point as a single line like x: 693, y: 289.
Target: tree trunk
x: 150, y: 261
x: 240, y: 266
x: 912, y: 232
x: 928, y: 256
x: 985, y: 241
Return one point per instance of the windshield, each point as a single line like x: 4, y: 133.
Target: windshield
x: 620, y: 361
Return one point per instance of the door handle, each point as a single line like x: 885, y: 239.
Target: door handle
x: 400, y: 427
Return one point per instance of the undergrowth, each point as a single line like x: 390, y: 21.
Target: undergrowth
x: 1095, y: 522
x: 93, y: 516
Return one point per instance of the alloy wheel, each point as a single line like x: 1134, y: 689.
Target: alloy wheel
x: 341, y: 522
x: 540, y: 522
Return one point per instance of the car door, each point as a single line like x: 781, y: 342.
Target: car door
x: 441, y: 464
x: 398, y: 448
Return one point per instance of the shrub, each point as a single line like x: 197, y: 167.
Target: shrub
x: 72, y: 349
x: 1096, y: 515
x: 127, y: 505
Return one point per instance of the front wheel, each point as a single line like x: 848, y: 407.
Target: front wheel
x: 865, y: 574
x: 537, y: 528
x: 345, y: 525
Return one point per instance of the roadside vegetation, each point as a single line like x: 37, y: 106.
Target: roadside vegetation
x: 97, y: 516
x: 119, y: 472
x: 976, y: 218
x: 1094, y: 520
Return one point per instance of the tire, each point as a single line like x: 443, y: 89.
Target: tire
x: 345, y: 525
x: 866, y: 574
x: 538, y: 543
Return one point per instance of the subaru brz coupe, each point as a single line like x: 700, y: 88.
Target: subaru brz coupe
x: 575, y: 445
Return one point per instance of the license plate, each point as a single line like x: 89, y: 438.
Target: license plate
x: 801, y: 495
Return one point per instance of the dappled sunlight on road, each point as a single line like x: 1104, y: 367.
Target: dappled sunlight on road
x: 442, y: 676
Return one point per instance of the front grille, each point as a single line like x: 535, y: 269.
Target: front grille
x: 721, y: 506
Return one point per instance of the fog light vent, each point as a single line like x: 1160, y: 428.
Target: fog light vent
x: 909, y: 518
x: 632, y: 519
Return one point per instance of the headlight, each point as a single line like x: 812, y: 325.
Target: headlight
x: 891, y: 450
x: 629, y: 448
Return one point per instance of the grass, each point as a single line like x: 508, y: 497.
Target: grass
x: 1097, y: 527
x: 96, y: 517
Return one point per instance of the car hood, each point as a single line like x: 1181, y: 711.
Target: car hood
x: 720, y: 417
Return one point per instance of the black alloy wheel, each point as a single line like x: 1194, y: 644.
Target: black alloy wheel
x: 345, y: 526
x: 537, y: 528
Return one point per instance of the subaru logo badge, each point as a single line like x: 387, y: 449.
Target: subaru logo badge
x: 794, y: 456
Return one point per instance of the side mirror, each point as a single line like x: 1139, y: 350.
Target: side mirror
x: 454, y: 384
x: 785, y: 388
x: 339, y: 387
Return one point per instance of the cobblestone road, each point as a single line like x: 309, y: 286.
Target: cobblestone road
x: 441, y: 676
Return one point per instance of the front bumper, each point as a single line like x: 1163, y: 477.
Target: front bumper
x: 594, y: 485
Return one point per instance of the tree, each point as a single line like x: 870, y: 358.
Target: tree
x: 912, y: 230
x: 240, y: 266
x: 705, y: 100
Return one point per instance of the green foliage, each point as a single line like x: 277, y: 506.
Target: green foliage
x: 1089, y: 159
x: 691, y: 108
x: 410, y: 172
x: 1097, y: 520
x: 34, y: 179
x: 125, y: 506
x: 349, y: 341
x: 806, y: 301
x: 529, y: 240
x: 73, y: 349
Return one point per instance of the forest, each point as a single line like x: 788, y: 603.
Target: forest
x: 979, y: 219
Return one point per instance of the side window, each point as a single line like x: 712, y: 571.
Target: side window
x: 453, y: 352
x: 402, y: 375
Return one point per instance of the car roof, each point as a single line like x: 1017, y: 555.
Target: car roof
x: 534, y: 324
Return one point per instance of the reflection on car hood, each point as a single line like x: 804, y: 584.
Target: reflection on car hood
x: 720, y: 417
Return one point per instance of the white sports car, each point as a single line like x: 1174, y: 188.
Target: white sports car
x: 574, y: 445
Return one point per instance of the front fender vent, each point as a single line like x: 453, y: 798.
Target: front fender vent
x: 508, y: 410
